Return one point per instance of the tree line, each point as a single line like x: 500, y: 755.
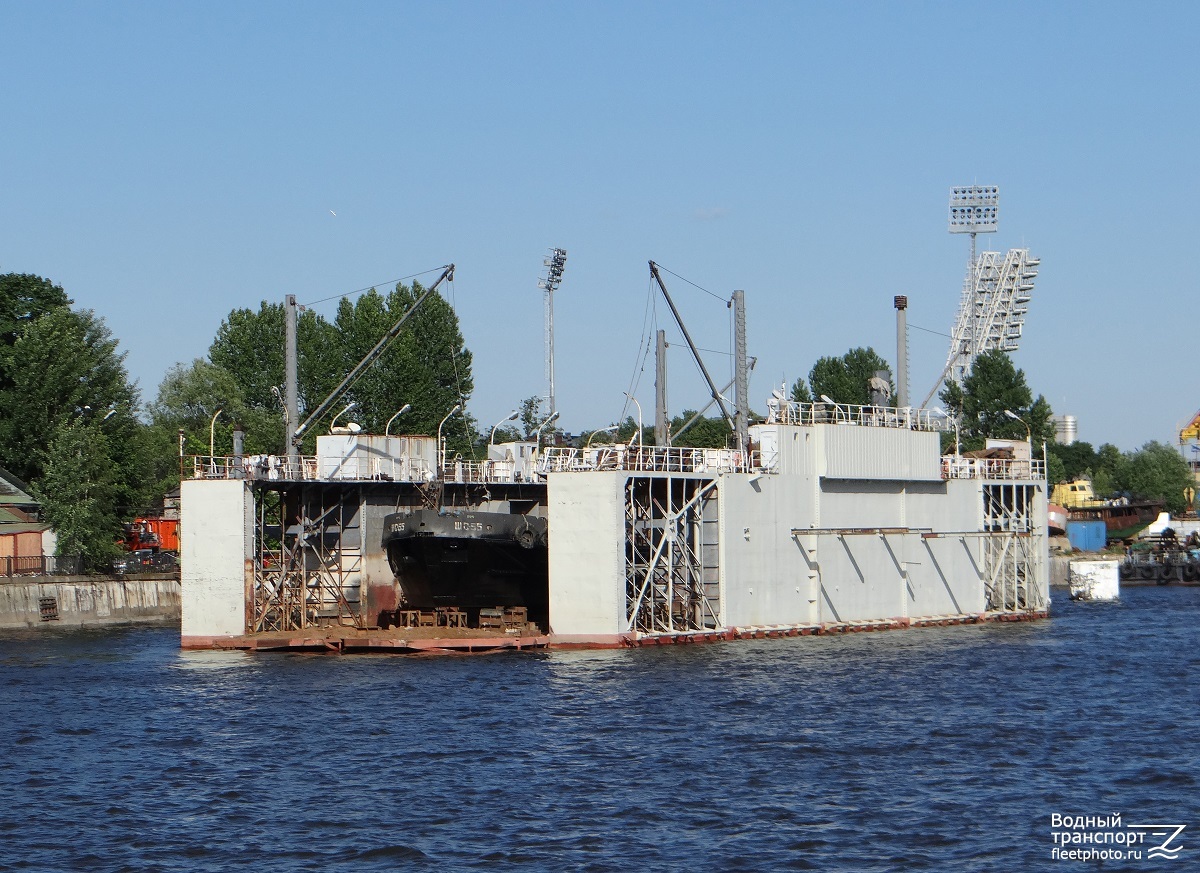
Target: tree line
x: 75, y: 428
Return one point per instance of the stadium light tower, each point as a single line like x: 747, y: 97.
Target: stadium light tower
x: 555, y: 264
x: 996, y: 289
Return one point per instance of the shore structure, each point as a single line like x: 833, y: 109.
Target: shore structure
x: 834, y: 518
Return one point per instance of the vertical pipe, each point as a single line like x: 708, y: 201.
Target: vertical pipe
x: 292, y: 382
x: 741, y: 397
x: 660, y: 389
x: 901, y: 303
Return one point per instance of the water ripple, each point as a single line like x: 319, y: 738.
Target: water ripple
x: 947, y: 748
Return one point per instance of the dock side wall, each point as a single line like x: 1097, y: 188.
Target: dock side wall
x: 587, y: 555
x: 835, y: 569
x: 215, y: 551
x: 87, y: 601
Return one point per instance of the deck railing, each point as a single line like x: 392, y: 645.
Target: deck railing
x: 646, y: 459
x: 556, y: 459
x: 907, y: 417
x: 954, y: 467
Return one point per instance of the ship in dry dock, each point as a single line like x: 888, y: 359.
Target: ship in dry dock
x: 821, y: 518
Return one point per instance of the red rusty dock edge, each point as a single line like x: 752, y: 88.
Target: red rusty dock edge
x: 335, y: 641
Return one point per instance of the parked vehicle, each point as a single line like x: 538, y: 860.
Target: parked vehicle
x: 146, y: 561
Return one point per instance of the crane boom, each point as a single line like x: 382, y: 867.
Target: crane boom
x: 712, y: 387
x: 380, y: 347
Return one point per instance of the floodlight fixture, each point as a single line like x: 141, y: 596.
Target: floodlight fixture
x: 974, y: 209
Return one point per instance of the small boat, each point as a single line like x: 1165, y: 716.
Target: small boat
x: 1123, y: 518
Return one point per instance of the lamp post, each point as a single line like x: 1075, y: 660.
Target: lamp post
x: 212, y: 442
x: 537, y: 434
x: 512, y: 416
x: 639, y: 409
x: 1015, y: 417
x: 954, y: 421
x: 349, y: 406
x: 591, y: 436
x: 441, y: 448
x: 399, y: 412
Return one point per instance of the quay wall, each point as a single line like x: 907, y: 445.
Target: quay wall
x: 89, y: 601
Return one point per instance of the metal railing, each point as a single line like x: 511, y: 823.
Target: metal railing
x: 40, y: 565
x: 954, y: 467
x: 646, y: 459
x: 555, y: 459
x: 907, y: 417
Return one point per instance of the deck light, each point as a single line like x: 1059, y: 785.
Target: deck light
x: 512, y: 416
x: 399, y: 412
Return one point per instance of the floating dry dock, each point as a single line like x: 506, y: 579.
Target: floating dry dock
x: 837, y: 519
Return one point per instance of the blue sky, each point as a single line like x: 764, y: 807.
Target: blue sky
x: 167, y: 163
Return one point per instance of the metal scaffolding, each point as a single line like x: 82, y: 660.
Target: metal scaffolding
x: 1014, y: 549
x: 994, y: 305
x: 307, y: 557
x: 672, y: 574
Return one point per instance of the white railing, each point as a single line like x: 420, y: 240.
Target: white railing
x: 646, y: 459
x: 992, y: 468
x: 907, y: 417
x: 253, y: 467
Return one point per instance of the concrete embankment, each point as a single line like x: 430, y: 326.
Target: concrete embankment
x: 1058, y: 570
x: 87, y: 601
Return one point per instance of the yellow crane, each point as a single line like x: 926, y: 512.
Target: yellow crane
x: 1191, y: 431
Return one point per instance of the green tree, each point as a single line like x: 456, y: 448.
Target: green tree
x: 628, y: 429
x: 1104, y: 473
x: 250, y: 346
x: 428, y: 364
x: 188, y: 398
x: 1156, y: 471
x: 845, y: 379
x: 23, y: 299
x: 80, y: 492
x: 66, y: 368
x: 530, y: 416
x: 800, y: 392
x: 706, y: 433
x: 993, y: 386
x: 1076, y: 460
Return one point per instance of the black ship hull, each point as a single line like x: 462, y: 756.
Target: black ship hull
x: 469, y: 561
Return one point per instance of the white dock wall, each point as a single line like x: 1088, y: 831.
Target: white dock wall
x: 765, y: 578
x: 839, y: 569
x: 216, y: 537
x: 587, y: 555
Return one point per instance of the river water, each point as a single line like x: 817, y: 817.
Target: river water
x: 939, y: 749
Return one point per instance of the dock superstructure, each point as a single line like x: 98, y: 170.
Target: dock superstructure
x: 832, y: 518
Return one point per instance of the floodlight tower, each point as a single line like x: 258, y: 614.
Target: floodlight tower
x: 997, y: 290
x: 973, y: 209
x: 555, y: 263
